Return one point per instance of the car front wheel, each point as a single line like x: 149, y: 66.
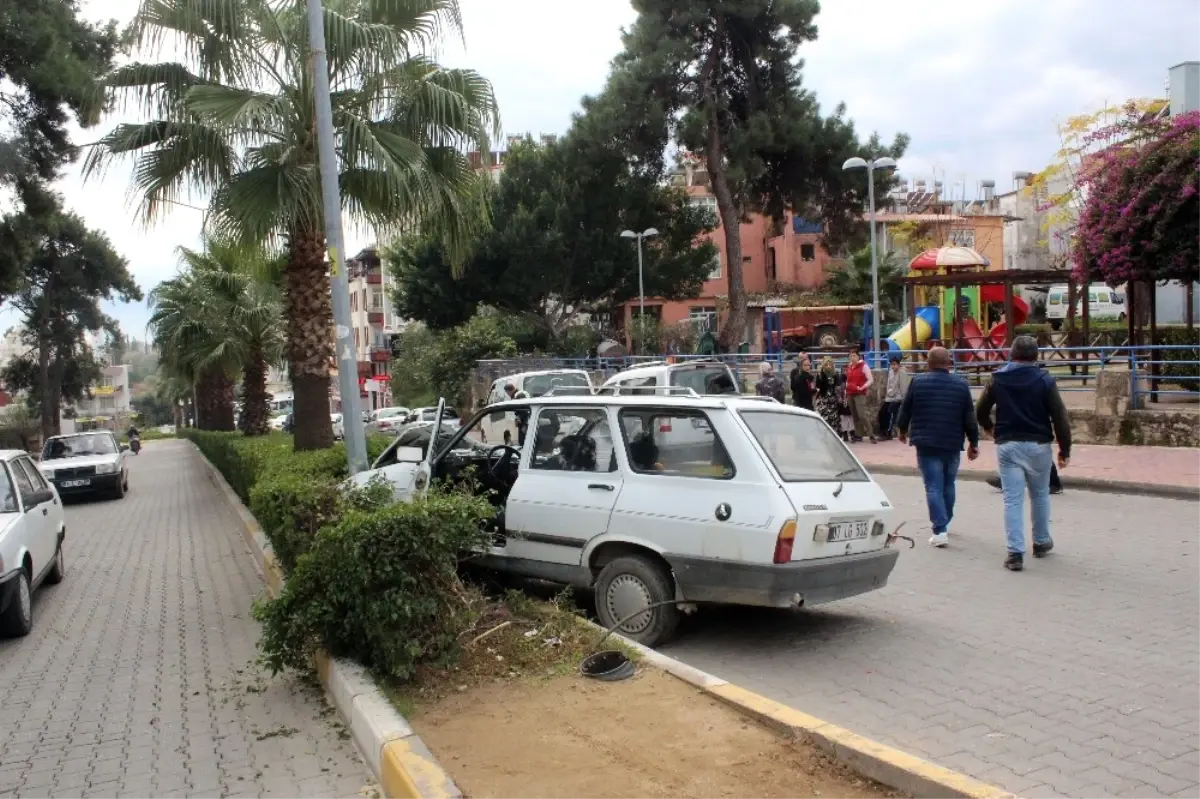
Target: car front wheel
x: 632, y: 583
x: 17, y: 619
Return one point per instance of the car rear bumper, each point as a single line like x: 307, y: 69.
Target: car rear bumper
x: 96, y: 482
x: 804, y: 582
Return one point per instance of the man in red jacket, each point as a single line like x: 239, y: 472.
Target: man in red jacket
x: 858, y: 381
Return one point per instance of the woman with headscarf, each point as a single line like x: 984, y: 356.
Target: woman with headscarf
x: 769, y: 384
x: 826, y: 386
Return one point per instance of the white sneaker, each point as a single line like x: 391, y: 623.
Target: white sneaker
x: 939, y: 540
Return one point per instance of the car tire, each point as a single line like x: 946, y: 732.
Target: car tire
x: 634, y: 579
x: 1056, y: 324
x: 59, y: 570
x: 119, y: 493
x: 17, y: 619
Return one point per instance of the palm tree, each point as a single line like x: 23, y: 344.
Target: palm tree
x: 240, y: 281
x: 233, y: 120
x: 849, y: 282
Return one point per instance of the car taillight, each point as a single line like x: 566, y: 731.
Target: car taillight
x: 664, y: 427
x: 783, y: 544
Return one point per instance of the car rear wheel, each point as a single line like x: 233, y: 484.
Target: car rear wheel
x: 631, y: 583
x: 59, y: 570
x: 17, y: 619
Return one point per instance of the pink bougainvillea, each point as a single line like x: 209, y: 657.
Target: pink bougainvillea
x: 1141, y: 214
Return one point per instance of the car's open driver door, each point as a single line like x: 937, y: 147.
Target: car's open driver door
x: 425, y: 470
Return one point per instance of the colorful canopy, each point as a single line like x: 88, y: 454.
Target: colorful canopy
x: 949, y: 257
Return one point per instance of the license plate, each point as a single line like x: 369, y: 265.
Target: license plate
x: 849, y: 531
x: 75, y: 483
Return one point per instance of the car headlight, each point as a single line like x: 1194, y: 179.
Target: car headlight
x: 106, y: 468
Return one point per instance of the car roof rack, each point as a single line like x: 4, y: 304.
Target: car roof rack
x: 646, y: 391
x: 559, y: 391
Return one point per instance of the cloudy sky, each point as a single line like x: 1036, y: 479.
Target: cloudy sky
x: 978, y: 86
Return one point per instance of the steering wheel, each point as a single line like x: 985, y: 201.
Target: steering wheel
x: 499, y: 457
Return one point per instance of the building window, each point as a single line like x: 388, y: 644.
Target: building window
x: 705, y: 319
x: 356, y: 342
x: 715, y: 273
x: 107, y: 403
x: 808, y: 252
x: 962, y: 238
x: 106, y: 382
x: 746, y: 259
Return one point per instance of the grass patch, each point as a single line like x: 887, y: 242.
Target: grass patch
x: 514, y: 637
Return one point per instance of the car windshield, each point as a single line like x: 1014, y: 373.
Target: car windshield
x: 77, y: 446
x: 802, y: 448
x: 538, y: 385
x: 704, y: 379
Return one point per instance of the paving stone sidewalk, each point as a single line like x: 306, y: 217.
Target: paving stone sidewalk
x: 139, y: 679
x: 1151, y: 465
x: 1079, y: 676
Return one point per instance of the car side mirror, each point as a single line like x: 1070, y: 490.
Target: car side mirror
x: 409, y: 455
x: 124, y: 447
x: 32, y: 500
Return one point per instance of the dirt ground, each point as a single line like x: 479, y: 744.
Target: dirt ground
x: 648, y: 736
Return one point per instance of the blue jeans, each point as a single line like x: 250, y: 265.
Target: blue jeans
x: 1025, y: 463
x: 938, y: 470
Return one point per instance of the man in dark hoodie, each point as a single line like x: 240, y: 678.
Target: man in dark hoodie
x: 1030, y: 415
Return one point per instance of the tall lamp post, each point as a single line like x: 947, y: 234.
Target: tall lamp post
x: 871, y: 166
x: 645, y: 234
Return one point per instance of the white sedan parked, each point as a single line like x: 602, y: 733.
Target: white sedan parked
x: 32, y: 529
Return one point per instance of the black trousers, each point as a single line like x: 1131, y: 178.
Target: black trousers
x: 888, y: 411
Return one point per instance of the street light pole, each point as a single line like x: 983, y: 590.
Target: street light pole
x: 356, y: 443
x: 878, y: 163
x: 645, y: 234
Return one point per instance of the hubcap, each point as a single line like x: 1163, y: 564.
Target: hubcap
x: 627, y: 595
x: 25, y: 599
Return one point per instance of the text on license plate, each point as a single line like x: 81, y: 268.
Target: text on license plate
x: 75, y: 483
x: 848, y: 531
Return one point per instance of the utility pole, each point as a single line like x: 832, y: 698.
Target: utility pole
x: 356, y: 442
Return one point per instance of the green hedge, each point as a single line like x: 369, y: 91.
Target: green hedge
x: 366, y: 578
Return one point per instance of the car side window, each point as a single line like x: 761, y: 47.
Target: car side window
x: 24, y: 483
x: 8, y: 495
x: 31, y: 471
x: 573, y: 440
x: 675, y: 442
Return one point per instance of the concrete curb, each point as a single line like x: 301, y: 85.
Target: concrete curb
x: 879, y: 762
x: 400, y: 761
x: 406, y: 769
x: 1165, y: 490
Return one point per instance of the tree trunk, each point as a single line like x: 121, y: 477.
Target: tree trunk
x: 214, y: 401
x: 309, y: 310
x: 255, y: 403
x: 49, y: 428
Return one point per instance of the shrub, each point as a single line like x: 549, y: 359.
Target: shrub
x: 379, y: 586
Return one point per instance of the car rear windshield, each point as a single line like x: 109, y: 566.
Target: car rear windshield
x: 538, y: 385
x: 802, y: 448
x: 704, y: 379
x: 76, y: 446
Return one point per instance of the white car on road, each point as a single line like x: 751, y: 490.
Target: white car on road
x: 774, y: 510
x: 32, y: 528
x: 86, y: 463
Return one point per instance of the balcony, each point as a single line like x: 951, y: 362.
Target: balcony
x: 374, y: 278
x: 375, y: 317
x: 381, y: 354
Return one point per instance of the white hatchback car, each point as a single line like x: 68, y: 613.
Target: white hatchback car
x: 774, y: 510
x: 32, y: 528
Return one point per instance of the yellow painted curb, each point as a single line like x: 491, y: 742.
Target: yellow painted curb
x: 407, y: 770
x: 869, y: 758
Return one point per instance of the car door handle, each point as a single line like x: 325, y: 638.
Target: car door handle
x: 45, y: 511
x: 601, y: 486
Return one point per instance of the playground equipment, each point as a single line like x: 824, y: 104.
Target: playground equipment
x: 928, y: 322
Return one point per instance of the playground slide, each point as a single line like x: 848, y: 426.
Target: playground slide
x: 928, y: 321
x: 1020, y: 314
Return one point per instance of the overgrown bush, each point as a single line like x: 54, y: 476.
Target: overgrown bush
x: 380, y: 586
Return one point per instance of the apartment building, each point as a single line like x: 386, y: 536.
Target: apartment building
x: 109, y: 405
x: 374, y: 323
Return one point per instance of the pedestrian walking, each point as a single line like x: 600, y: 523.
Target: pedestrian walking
x: 826, y: 399
x: 802, y: 380
x: 858, y: 382
x: 936, y: 415
x: 1030, y: 416
x: 769, y: 384
x: 898, y: 379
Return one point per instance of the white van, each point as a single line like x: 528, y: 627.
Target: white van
x: 503, y: 430
x: 775, y: 512
x: 1104, y: 304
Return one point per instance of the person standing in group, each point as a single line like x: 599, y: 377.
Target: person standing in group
x: 898, y: 379
x: 826, y: 386
x: 1030, y: 415
x: 858, y: 383
x: 845, y: 415
x: 802, y: 380
x: 769, y: 384
x: 940, y: 413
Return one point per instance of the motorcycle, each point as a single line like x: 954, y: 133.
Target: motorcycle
x: 135, y: 444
